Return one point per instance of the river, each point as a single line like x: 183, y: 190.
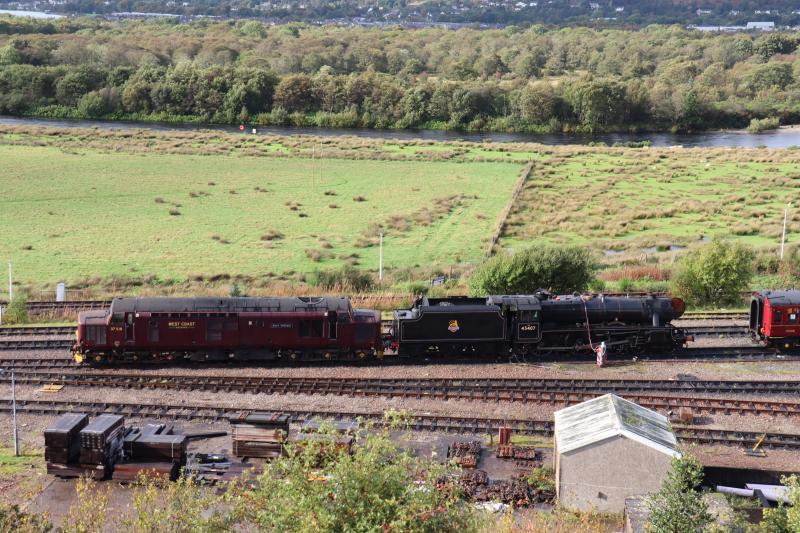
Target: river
x: 781, y: 138
x: 32, y: 14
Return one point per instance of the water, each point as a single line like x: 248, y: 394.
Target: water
x: 781, y: 138
x: 32, y: 14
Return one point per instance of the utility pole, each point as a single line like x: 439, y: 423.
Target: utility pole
x: 10, y: 286
x: 783, y: 235
x: 14, y: 414
x: 380, y: 260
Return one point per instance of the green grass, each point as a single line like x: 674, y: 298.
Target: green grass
x: 632, y: 200
x: 73, y: 214
x: 10, y: 465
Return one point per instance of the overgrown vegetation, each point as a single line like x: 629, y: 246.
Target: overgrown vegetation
x: 678, y: 506
x: 535, y: 79
x: 16, y: 312
x: 715, y: 274
x: 560, y: 270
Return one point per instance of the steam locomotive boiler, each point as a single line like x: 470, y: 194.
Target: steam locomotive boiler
x: 537, y: 324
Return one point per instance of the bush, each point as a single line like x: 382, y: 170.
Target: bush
x: 757, y: 125
x: 783, y: 519
x: 561, y: 269
x: 714, y: 275
x: 678, y: 507
x: 16, y: 312
x: 13, y: 520
x: 346, y: 278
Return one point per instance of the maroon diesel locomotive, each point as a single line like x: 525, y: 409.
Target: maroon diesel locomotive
x: 216, y: 329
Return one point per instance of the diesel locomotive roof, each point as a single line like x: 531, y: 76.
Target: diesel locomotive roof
x: 229, y: 305
x: 780, y: 297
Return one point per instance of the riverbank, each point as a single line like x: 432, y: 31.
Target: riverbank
x: 784, y: 137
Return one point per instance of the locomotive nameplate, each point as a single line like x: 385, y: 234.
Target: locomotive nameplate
x: 188, y: 324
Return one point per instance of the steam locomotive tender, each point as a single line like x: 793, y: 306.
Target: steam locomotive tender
x: 537, y: 324
x: 775, y: 319
x: 214, y: 329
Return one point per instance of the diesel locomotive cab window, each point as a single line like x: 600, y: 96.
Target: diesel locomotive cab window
x: 311, y: 328
x: 96, y: 334
x: 214, y: 330
x: 117, y: 319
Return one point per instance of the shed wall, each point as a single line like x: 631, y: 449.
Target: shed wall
x: 601, y: 475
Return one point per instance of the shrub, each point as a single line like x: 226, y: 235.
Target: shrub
x: 346, y: 278
x: 561, y: 269
x: 783, y: 519
x: 757, y: 125
x: 16, y: 312
x: 359, y: 199
x: 272, y: 235
x: 678, y: 507
x: 12, y: 519
x: 174, y: 212
x: 715, y: 274
x: 625, y: 285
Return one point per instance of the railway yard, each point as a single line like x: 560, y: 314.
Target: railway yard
x: 723, y: 396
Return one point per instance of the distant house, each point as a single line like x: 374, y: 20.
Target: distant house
x: 761, y: 26
x: 608, y: 449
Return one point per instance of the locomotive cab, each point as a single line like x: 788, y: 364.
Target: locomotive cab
x: 91, y: 335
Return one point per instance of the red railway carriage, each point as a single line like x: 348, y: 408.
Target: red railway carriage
x: 138, y: 329
x: 775, y: 318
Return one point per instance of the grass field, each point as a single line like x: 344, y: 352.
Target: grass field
x: 73, y: 215
x: 84, y: 207
x: 648, y: 200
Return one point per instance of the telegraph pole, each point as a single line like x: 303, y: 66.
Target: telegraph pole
x: 783, y: 235
x: 14, y: 414
x: 380, y: 260
x: 10, y: 286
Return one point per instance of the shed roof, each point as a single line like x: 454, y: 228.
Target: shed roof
x: 608, y: 416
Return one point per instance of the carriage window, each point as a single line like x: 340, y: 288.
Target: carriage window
x: 778, y: 317
x: 152, y: 331
x: 528, y: 316
x: 793, y: 318
x: 311, y: 328
x: 231, y: 324
x: 214, y: 330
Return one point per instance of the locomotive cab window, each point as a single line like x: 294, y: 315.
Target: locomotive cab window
x: 528, y: 316
x: 311, y: 328
x: 96, y: 334
x: 793, y: 318
x: 117, y: 319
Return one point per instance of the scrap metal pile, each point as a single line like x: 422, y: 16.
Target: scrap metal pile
x: 515, y: 491
x: 465, y: 454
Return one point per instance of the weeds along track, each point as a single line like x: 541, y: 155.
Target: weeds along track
x: 649, y: 393
x: 419, y: 422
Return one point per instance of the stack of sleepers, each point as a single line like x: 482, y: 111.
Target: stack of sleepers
x: 61, y: 442
x: 152, y: 450
x: 259, y: 434
x: 101, y: 440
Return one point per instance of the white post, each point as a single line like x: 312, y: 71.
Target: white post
x: 783, y: 235
x: 14, y: 414
x: 380, y: 260
x: 10, y: 286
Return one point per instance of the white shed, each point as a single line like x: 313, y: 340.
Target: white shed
x: 607, y: 449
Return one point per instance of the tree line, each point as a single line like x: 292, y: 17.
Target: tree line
x: 514, y: 79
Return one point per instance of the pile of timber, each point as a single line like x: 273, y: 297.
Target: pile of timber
x: 259, y: 434
x: 75, y: 447
x: 153, y: 450
x: 465, y: 454
x: 342, y: 439
x: 514, y: 451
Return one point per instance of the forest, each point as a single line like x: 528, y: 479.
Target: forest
x: 533, y: 79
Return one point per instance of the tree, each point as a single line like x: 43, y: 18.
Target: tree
x: 9, y: 55
x: 715, y: 274
x: 319, y: 486
x: 597, y: 103
x: 678, y: 506
x: 555, y: 268
x: 771, y: 75
x: 295, y: 93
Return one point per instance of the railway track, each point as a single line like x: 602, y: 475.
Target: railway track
x: 718, y: 331
x: 37, y: 331
x: 715, y: 315
x: 537, y: 391
x: 36, y: 344
x: 419, y: 422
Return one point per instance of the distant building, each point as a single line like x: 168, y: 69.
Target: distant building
x: 608, y: 449
x: 761, y: 26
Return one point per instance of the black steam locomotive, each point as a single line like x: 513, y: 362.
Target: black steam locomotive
x: 539, y: 324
